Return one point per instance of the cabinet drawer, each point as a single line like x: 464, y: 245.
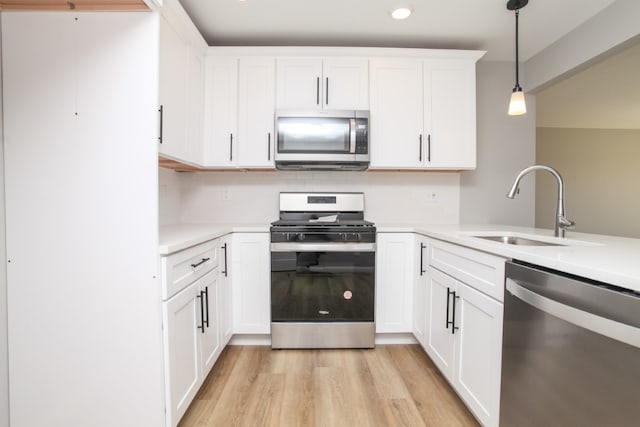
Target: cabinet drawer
x: 479, y: 270
x: 181, y: 268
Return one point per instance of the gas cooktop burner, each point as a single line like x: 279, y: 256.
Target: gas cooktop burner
x: 322, y: 217
x: 318, y: 224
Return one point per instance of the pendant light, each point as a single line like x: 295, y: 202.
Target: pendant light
x: 517, y: 105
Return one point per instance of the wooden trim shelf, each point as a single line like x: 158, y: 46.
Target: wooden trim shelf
x: 76, y: 5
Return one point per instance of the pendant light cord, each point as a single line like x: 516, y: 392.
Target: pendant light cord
x: 517, y: 56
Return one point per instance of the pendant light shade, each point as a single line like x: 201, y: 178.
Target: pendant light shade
x: 517, y: 106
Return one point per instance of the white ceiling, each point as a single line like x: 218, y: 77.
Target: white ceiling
x: 456, y: 24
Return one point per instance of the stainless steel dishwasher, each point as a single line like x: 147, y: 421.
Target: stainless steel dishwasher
x: 571, y: 351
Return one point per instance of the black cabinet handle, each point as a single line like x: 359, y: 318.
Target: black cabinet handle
x: 201, y: 262
x: 449, y: 293
x: 206, y: 301
x: 326, y: 91
x: 317, y: 90
x: 269, y: 146
x: 428, y: 147
x: 201, y: 327
x: 224, y: 247
x: 230, y: 147
x: 161, y: 111
x: 422, y: 270
x: 454, y: 328
x: 420, y: 149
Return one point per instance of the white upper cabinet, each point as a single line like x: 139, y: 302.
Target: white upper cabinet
x: 181, y: 99
x: 315, y: 83
x: 450, y: 114
x: 423, y: 113
x: 256, y: 110
x: 396, y: 113
x: 239, y: 111
x: 221, y: 112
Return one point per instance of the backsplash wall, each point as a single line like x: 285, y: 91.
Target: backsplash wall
x: 252, y: 197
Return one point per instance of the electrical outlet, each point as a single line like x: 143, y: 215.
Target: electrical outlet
x: 226, y: 194
x: 431, y: 197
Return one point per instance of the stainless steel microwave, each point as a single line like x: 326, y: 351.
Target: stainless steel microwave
x: 322, y: 140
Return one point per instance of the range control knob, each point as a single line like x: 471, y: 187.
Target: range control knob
x: 301, y: 236
x: 358, y: 236
x: 343, y: 236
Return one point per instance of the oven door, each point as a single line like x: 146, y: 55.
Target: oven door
x: 325, y: 282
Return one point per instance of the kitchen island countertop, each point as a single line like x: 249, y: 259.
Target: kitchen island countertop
x: 610, y: 259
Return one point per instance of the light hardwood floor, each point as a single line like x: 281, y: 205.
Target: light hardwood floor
x: 391, y: 385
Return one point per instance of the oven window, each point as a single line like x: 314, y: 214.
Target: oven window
x: 322, y: 286
x: 313, y: 135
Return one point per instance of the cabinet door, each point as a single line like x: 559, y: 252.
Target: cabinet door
x: 450, y: 114
x: 210, y: 335
x: 256, y: 112
x: 226, y: 301
x: 478, y: 353
x: 173, y: 87
x: 299, y: 83
x: 195, y: 107
x: 251, y: 283
x: 181, y: 318
x: 440, y: 340
x: 395, y: 260
x: 396, y: 113
x: 345, y: 84
x: 420, y: 284
x: 221, y: 112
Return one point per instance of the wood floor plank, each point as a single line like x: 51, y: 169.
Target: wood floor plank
x: 391, y: 385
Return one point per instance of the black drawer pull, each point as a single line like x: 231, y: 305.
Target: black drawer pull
x: 201, y: 262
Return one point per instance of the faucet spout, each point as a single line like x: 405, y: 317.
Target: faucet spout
x: 562, y: 223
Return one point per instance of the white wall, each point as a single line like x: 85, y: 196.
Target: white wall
x: 169, y: 196
x: 390, y: 197
x: 606, y: 33
x: 80, y: 101
x: 601, y: 175
x: 4, y: 367
x: 506, y: 145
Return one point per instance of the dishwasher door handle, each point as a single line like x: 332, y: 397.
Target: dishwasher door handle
x: 601, y: 325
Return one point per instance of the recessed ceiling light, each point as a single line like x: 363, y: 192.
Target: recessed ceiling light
x: 401, y: 13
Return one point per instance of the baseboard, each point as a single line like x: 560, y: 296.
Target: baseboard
x: 404, y: 338
x: 265, y: 339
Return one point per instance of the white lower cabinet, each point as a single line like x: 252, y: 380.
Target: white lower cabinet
x: 226, y: 290
x: 191, y: 319
x: 395, y: 260
x: 463, y: 338
x: 251, y: 267
x: 191, y: 342
x: 420, y: 286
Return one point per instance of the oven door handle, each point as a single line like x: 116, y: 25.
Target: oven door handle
x: 601, y: 325
x: 323, y: 247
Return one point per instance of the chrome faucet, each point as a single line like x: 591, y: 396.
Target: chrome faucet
x: 562, y: 223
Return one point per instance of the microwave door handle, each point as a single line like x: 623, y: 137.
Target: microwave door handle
x: 352, y: 137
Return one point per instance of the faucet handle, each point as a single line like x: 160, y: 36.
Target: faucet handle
x: 565, y: 223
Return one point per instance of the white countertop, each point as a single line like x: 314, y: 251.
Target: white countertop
x: 610, y: 259
x: 177, y: 237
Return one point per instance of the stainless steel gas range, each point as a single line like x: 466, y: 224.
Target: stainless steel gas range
x: 322, y: 272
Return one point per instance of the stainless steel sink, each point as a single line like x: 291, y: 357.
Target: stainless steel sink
x: 515, y: 240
